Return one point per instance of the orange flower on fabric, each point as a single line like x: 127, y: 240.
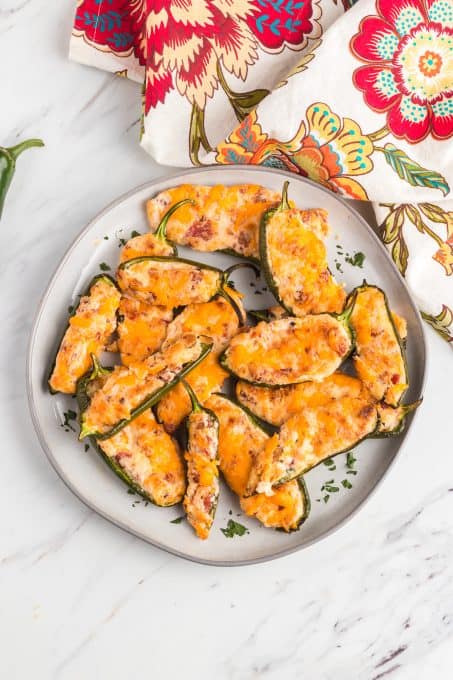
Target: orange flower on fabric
x: 327, y: 149
x: 445, y: 253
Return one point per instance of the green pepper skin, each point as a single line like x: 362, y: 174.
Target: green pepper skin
x: 161, y: 231
x: 105, y: 277
x: 148, y: 402
x: 83, y: 401
x: 8, y: 157
x: 266, y: 217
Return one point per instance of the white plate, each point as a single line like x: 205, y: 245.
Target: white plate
x: 88, y: 476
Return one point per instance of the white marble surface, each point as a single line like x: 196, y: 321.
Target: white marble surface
x: 80, y: 599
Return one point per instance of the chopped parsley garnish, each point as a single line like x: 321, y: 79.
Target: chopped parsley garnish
x: 346, y: 483
x: 356, y: 260
x: 68, y: 416
x: 351, y: 472
x: 131, y: 492
x: 350, y: 460
x: 330, y: 464
x: 338, y: 266
x: 177, y: 520
x: 71, y: 309
x: 106, y: 238
x: 230, y: 512
x: 326, y: 498
x: 135, y: 233
x: 122, y: 242
x: 86, y: 447
x: 234, y: 529
x: 104, y: 267
x: 329, y: 487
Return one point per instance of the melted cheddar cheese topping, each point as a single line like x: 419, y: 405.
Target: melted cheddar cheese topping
x: 289, y: 350
x: 379, y: 359
x: 127, y: 387
x: 150, y: 457
x: 239, y: 441
x: 297, y: 260
x: 218, y: 320
x: 309, y: 437
x: 145, y: 245
x: 169, y: 284
x: 215, y: 319
x: 276, y: 404
x: 142, y: 328
x: 204, y: 379
x: 202, y: 492
x: 88, y: 333
x: 223, y: 217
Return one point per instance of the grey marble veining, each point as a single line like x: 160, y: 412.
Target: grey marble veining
x: 82, y: 599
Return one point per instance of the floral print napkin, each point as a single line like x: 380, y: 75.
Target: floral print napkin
x: 358, y: 98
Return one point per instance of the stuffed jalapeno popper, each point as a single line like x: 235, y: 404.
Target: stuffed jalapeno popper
x: 294, y: 260
x: 241, y: 439
x: 379, y: 357
x: 130, y: 390
x: 142, y: 454
x: 88, y: 332
x: 290, y: 350
x: 202, y: 493
x: 309, y: 437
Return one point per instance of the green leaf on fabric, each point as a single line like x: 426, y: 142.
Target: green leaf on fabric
x: 441, y: 322
x: 400, y: 254
x: 410, y: 171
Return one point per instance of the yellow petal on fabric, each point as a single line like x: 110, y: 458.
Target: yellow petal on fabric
x: 354, y: 149
x: 250, y: 129
x: 323, y: 125
x: 350, y: 188
x: 294, y: 144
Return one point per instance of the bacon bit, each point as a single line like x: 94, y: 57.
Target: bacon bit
x: 122, y: 454
x: 244, y: 239
x: 207, y: 502
x: 300, y: 296
x: 342, y: 347
x: 366, y: 411
x: 202, y: 228
x: 324, y: 276
x: 395, y: 378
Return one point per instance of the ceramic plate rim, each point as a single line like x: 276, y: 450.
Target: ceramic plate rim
x: 30, y: 389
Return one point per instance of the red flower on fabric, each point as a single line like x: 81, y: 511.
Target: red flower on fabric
x: 408, y: 48
x: 284, y: 23
x: 113, y: 26
x: 187, y: 39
